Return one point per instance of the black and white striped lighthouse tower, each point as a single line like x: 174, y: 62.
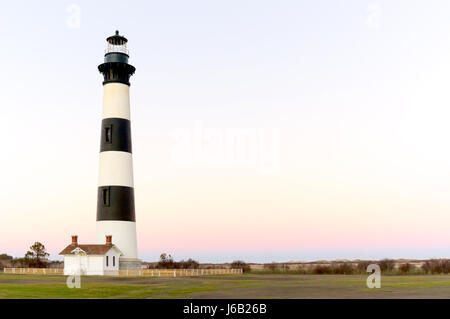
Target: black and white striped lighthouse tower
x: 115, y: 202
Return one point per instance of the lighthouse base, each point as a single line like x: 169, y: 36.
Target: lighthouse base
x: 129, y: 264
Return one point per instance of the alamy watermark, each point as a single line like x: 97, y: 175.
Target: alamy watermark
x: 374, y: 17
x: 74, y: 19
x: 258, y: 147
x: 374, y: 279
x: 74, y: 280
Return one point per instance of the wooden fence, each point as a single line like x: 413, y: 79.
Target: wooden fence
x: 132, y: 273
x: 34, y: 271
x: 178, y: 272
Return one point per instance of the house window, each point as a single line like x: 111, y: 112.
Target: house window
x: 114, y: 261
x: 107, y: 261
x: 108, y: 134
x: 105, y: 196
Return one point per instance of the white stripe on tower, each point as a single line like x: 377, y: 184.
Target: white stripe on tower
x: 115, y: 168
x: 116, y: 101
x: 115, y: 203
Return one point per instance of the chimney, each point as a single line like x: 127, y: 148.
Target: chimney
x: 109, y: 240
x: 74, y: 240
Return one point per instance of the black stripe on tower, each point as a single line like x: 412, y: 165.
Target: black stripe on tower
x: 116, y: 135
x: 115, y: 203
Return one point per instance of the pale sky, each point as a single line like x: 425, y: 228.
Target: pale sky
x: 342, y: 108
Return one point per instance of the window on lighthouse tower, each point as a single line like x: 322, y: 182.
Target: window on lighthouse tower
x: 105, y: 196
x: 108, y: 134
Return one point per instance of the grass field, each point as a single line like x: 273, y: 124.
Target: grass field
x: 244, y: 286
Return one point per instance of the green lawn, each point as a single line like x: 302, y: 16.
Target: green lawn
x: 245, y: 286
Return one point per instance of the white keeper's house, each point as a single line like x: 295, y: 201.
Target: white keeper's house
x: 94, y: 259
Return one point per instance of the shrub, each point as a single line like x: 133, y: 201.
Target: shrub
x: 241, y: 264
x: 188, y: 264
x: 272, y: 266
x: 436, y: 266
x: 387, y: 265
x: 426, y: 267
x: 165, y: 262
x: 406, y: 268
x: 322, y: 269
x: 5, y: 257
x: 344, y: 269
x: 362, y: 266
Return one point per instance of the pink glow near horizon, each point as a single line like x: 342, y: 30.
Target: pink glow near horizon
x: 343, y: 127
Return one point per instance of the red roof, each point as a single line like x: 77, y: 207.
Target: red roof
x: 88, y: 249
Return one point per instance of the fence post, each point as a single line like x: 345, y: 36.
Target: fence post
x: 159, y: 273
x: 174, y: 273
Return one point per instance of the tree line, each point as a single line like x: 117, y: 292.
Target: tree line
x: 387, y: 266
x: 36, y: 257
x: 166, y: 261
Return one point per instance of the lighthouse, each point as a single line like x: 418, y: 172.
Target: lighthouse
x: 115, y: 199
